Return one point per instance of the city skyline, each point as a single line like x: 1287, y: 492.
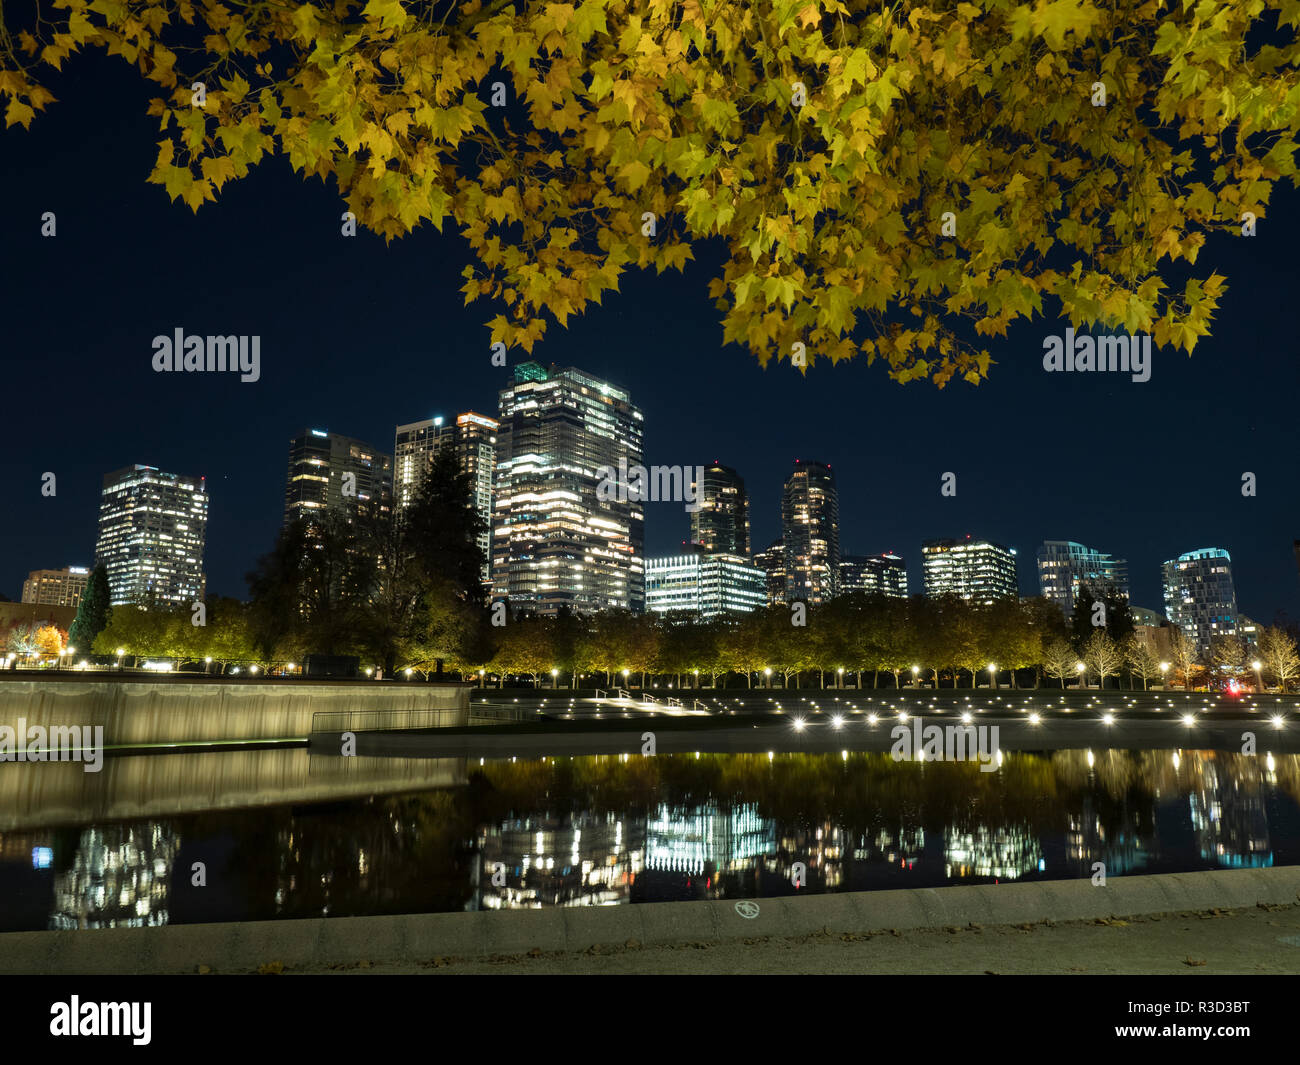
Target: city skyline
x: 912, y: 575
x: 362, y: 336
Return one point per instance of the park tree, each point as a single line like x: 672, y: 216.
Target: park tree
x: 93, y: 611
x: 885, y: 181
x: 1182, y: 653
x: 1227, y: 657
x: 743, y: 646
x: 1101, y: 655
x: 316, y: 588
x: 526, y: 646
x: 227, y: 638
x: 1140, y: 658
x: 898, y: 639
x: 1277, y: 650
x: 49, y: 640
x: 1059, y: 660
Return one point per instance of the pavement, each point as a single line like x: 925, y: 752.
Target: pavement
x: 1258, y: 941
x: 1241, y: 921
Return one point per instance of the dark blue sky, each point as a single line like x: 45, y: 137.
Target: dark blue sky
x: 358, y: 336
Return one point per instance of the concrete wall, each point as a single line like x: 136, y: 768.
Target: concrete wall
x: 177, y: 710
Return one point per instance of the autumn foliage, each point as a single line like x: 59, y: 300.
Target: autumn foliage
x: 823, y: 143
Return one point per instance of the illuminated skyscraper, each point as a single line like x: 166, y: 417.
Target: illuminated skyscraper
x: 979, y: 570
x: 554, y: 542
x: 771, y: 560
x: 332, y: 472
x: 721, y: 524
x: 1199, y: 595
x: 707, y: 584
x: 1065, y: 568
x: 474, y: 440
x: 152, y: 527
x: 810, y: 519
x: 878, y: 574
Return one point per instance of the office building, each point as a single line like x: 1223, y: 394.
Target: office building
x: 704, y: 584
x: 1065, y: 568
x: 1199, y: 595
x: 721, y: 524
x: 810, y: 523
x: 56, y: 587
x: 875, y: 574
x: 771, y: 560
x: 473, y: 438
x: 1153, y: 628
x: 978, y: 570
x: 557, y: 541
x: 152, y: 528
x: 329, y: 472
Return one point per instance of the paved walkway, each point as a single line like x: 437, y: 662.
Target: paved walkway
x: 1255, y: 941
x: 1244, y: 920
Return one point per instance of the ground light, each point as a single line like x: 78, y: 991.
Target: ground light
x: 1033, y: 719
x: 1277, y: 720
x: 798, y: 724
x: 1189, y: 720
x: 1108, y: 719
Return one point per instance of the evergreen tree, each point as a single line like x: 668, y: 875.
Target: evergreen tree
x: 93, y: 612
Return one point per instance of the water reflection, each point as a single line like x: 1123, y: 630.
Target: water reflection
x: 601, y: 831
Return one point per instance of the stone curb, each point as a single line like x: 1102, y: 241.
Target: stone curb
x: 243, y: 946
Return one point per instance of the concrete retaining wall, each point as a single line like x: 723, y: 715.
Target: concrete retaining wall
x: 176, y: 710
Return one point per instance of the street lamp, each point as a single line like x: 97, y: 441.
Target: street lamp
x: 697, y: 678
x: 207, y: 662
x: 554, y: 682
x: 767, y: 673
x: 993, y: 675
x: 1164, y: 668
x: 916, y: 676
x: 1259, y: 682
x: 1079, y: 667
x: 840, y: 672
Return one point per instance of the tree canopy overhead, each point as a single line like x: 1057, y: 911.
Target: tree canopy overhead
x: 888, y: 179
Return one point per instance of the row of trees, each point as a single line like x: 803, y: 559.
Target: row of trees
x: 33, y: 638
x: 872, y: 641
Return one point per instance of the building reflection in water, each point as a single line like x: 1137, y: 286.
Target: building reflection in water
x: 608, y: 831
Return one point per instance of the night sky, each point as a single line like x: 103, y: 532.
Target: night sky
x: 358, y: 336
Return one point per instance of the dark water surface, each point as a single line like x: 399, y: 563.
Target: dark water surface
x: 282, y: 833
